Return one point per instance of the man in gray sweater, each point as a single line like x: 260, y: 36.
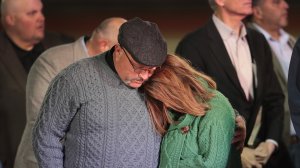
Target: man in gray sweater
x: 48, y: 65
x: 93, y: 114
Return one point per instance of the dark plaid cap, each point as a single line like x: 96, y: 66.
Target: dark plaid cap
x: 144, y: 41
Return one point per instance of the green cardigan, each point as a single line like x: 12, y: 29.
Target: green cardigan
x: 202, y: 142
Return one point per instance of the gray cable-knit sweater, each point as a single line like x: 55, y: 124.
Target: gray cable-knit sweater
x: 89, y: 118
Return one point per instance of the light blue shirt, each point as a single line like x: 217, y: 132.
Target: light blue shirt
x: 280, y: 47
x: 282, y: 51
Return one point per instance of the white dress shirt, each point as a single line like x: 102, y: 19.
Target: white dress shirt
x: 239, y: 53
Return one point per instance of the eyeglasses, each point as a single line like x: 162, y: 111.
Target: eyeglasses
x: 139, y: 70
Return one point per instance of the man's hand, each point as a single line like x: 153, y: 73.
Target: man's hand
x: 248, y: 158
x: 264, y: 151
x: 240, y: 132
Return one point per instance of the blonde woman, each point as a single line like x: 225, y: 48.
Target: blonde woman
x: 200, y: 119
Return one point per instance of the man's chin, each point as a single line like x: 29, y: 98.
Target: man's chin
x: 135, y: 85
x: 38, y: 39
x: 41, y: 37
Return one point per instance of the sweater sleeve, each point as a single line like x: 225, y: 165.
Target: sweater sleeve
x: 56, y: 113
x: 214, y: 137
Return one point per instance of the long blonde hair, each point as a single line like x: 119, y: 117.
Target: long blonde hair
x: 176, y: 86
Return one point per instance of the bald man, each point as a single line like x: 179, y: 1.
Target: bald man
x: 21, y: 42
x: 48, y: 65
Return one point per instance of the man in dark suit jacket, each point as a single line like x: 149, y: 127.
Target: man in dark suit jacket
x: 294, y: 87
x: 22, y: 41
x: 270, y: 18
x: 215, y: 50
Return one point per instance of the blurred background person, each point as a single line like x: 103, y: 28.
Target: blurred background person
x: 21, y: 42
x: 238, y: 59
x: 270, y: 17
x: 48, y: 65
x: 294, y: 94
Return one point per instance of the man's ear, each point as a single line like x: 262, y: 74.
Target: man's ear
x: 9, y: 20
x: 103, y: 45
x: 220, y: 2
x: 118, y: 48
x: 257, y: 12
x: 118, y: 51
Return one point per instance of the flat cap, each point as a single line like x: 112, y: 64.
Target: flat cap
x: 144, y: 41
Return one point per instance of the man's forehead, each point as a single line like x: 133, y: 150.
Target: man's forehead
x: 25, y: 5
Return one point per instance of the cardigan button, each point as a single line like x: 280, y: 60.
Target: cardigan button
x: 185, y: 129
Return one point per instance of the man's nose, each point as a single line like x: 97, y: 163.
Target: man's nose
x: 144, y: 75
x: 41, y: 17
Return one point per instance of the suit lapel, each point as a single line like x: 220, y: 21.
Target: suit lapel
x: 276, y: 63
x: 291, y: 42
x: 278, y: 68
x: 257, y: 78
x: 219, y: 51
x: 12, y: 63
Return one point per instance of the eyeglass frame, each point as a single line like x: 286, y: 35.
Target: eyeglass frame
x: 139, y: 70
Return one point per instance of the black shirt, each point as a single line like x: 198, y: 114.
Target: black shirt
x: 109, y: 59
x: 27, y: 58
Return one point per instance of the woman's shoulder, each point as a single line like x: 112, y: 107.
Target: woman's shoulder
x: 220, y: 103
x: 220, y: 109
x: 203, y: 82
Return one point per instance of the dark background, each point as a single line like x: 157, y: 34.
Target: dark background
x: 174, y: 17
